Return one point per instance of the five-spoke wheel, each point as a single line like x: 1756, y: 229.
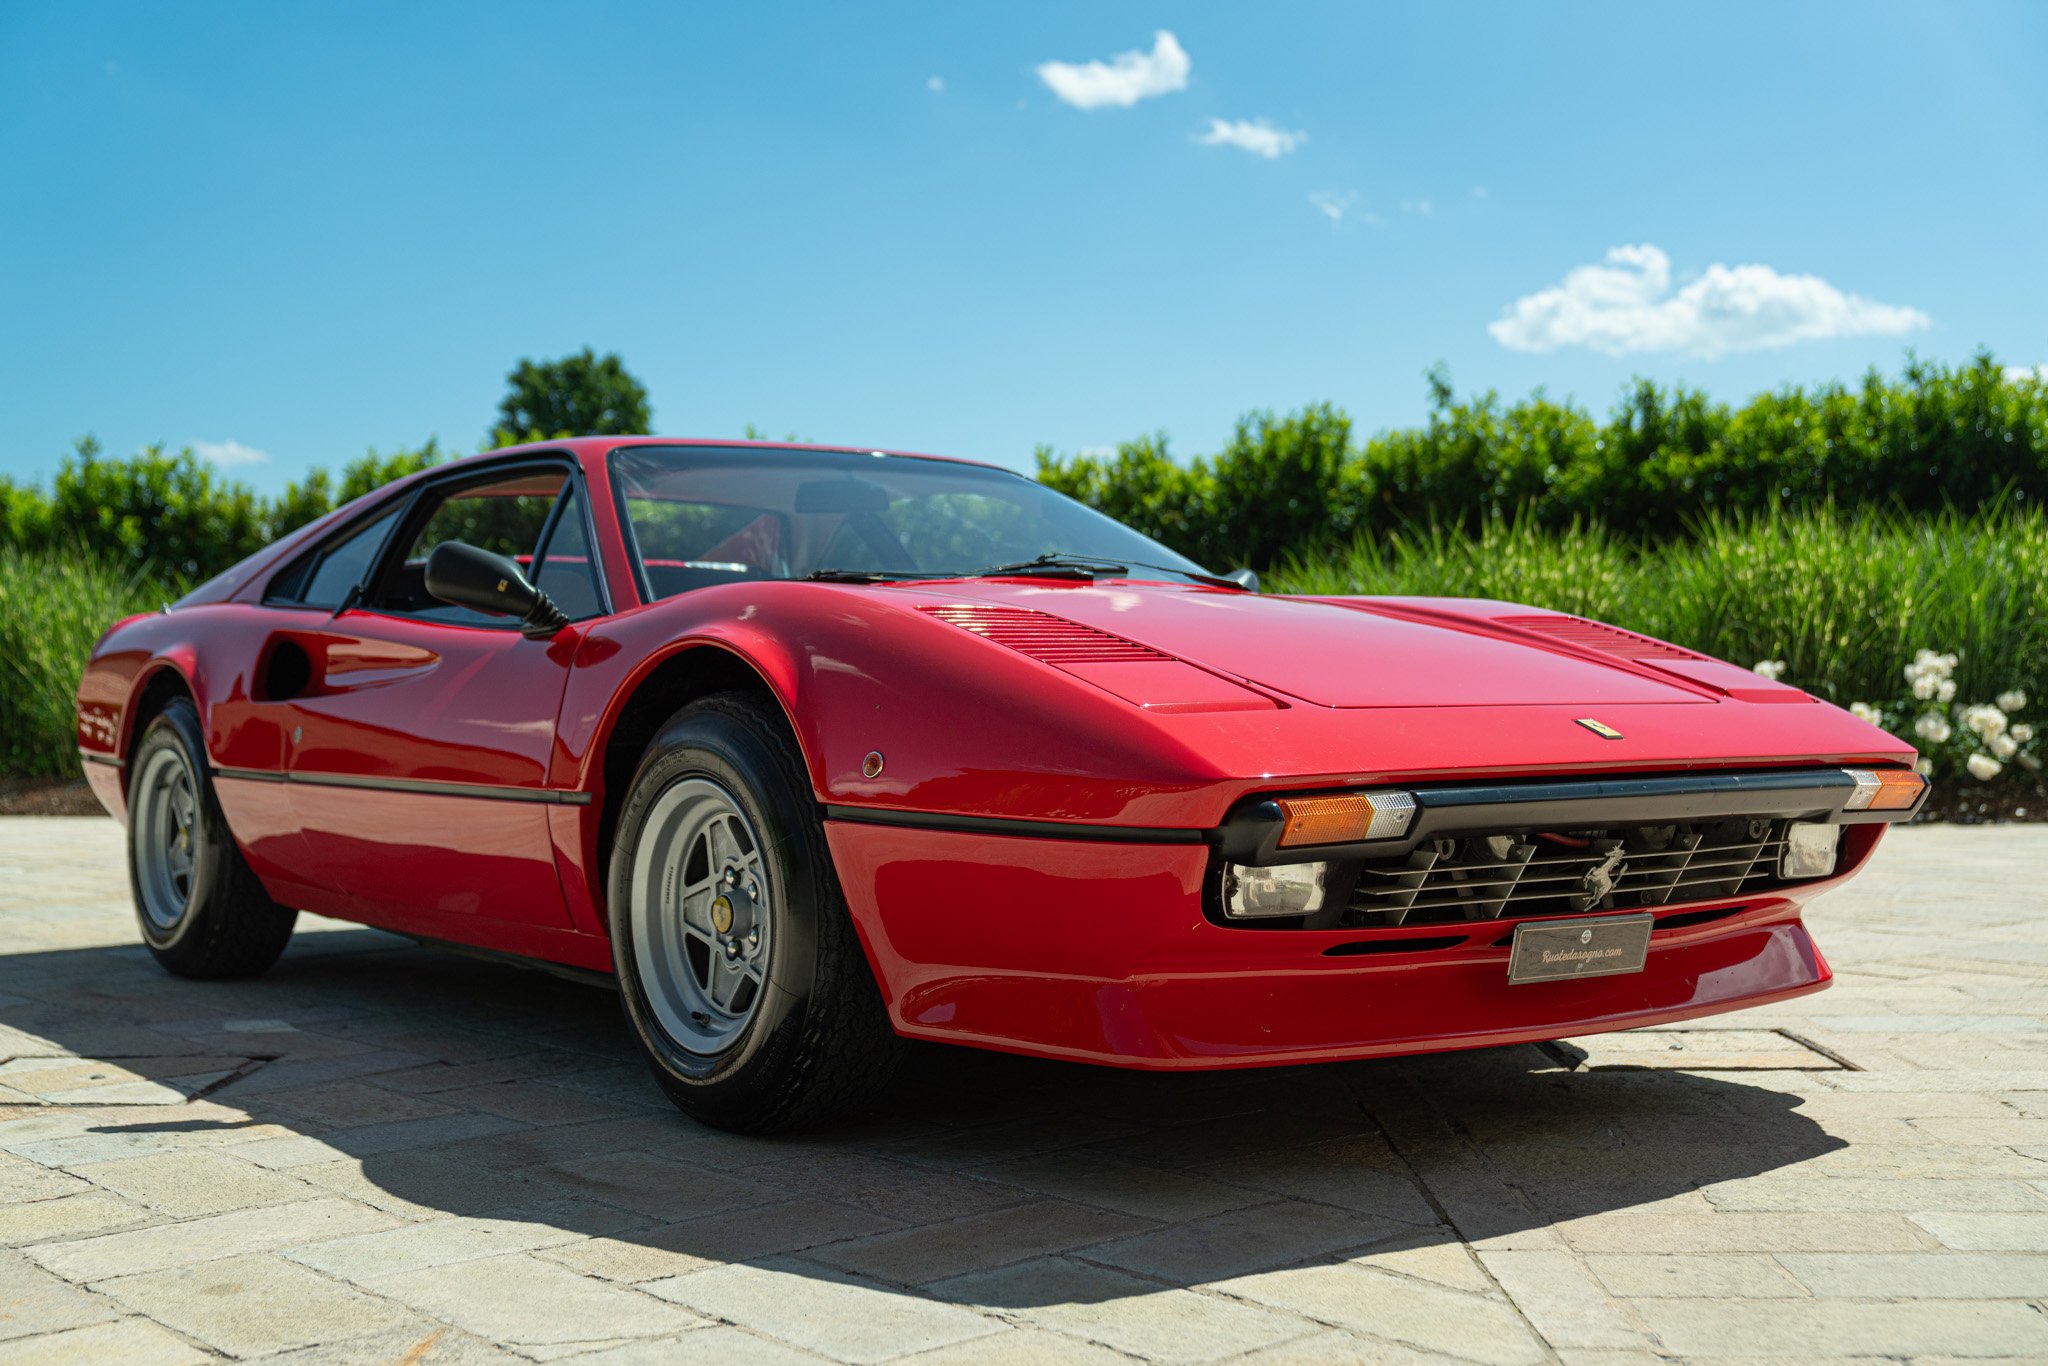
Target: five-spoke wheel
x: 165, y: 812
x: 703, y: 914
x: 203, y: 912
x: 735, y: 953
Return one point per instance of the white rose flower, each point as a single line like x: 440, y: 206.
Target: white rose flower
x: 1945, y: 690
x: 2004, y: 746
x: 2016, y: 700
x: 1924, y: 686
x: 1932, y: 727
x: 1984, y: 720
x: 1983, y: 767
x: 1863, y: 711
x: 1924, y: 767
x: 1773, y: 669
x: 2022, y: 732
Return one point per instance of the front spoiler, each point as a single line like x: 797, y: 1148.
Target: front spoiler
x: 1101, y: 953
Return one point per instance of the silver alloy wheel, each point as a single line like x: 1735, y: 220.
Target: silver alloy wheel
x: 163, y: 829
x: 702, y: 911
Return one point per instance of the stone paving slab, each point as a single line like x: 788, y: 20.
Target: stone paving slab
x: 381, y: 1153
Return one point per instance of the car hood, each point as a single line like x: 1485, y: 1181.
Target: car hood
x: 1349, y: 652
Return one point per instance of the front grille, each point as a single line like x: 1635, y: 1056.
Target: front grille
x: 1566, y: 872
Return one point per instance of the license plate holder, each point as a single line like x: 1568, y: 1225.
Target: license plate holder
x: 1596, y: 946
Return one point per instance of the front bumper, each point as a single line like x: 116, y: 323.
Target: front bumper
x: 1102, y: 952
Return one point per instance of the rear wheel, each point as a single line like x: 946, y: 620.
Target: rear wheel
x: 202, y: 912
x: 736, y: 957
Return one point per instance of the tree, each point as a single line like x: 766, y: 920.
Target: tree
x: 580, y: 395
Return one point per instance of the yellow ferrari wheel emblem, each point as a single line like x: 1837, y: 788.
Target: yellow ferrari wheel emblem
x: 721, y: 915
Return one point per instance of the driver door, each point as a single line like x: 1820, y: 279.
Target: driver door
x: 418, y: 753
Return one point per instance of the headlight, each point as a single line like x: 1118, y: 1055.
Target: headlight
x: 1284, y: 889
x: 1809, y: 850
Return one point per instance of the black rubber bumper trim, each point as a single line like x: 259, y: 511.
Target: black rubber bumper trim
x: 999, y: 825
x: 1251, y: 834
x: 481, y: 791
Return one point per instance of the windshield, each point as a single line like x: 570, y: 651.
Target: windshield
x: 700, y: 515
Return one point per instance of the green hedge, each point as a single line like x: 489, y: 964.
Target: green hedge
x: 1936, y: 438
x: 171, y: 512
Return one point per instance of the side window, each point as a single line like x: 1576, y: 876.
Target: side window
x: 504, y: 516
x: 566, y: 573
x: 324, y: 578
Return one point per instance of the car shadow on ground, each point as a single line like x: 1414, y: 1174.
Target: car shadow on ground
x: 436, y: 1085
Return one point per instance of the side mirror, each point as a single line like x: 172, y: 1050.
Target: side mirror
x: 467, y: 577
x: 1248, y: 579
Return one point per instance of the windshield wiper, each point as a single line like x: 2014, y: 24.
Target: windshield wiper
x: 1055, y: 565
x: 872, y: 575
x: 1060, y: 561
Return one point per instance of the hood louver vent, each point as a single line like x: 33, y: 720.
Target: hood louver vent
x: 1592, y: 635
x: 1044, y: 637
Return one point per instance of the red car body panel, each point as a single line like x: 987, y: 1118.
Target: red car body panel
x: 451, y: 783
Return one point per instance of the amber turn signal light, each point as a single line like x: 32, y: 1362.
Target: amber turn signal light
x: 1884, y: 789
x: 1345, y: 819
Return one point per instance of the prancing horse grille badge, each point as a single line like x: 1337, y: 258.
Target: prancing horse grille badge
x: 1601, y: 729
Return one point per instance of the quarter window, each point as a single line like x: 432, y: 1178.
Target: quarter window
x: 325, y: 578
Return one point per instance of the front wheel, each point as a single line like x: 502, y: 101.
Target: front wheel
x: 736, y: 956
x: 203, y: 913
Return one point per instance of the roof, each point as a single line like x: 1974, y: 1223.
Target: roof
x: 589, y: 446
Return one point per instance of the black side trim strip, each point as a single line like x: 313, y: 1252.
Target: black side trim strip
x: 482, y: 791
x: 998, y: 825
x: 110, y: 760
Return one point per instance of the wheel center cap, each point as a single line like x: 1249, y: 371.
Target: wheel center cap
x: 723, y: 912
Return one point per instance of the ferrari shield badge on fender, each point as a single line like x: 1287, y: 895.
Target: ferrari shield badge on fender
x: 1599, y: 728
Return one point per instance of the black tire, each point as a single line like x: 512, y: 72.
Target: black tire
x: 219, y: 923
x: 817, y: 1043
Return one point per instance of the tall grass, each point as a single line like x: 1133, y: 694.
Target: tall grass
x: 53, y: 606
x: 1843, y: 598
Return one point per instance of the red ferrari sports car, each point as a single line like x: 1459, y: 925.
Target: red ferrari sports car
x: 814, y: 749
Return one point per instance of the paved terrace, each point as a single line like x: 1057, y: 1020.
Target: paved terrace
x: 384, y: 1154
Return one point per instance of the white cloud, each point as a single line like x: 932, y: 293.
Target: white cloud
x: 1256, y: 136
x: 1333, y: 204
x: 229, y: 453
x: 1420, y: 207
x: 1479, y: 192
x: 1626, y: 304
x: 1124, y: 79
x: 2020, y: 373
x: 936, y: 84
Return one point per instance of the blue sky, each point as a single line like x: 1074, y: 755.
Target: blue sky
x: 296, y: 231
